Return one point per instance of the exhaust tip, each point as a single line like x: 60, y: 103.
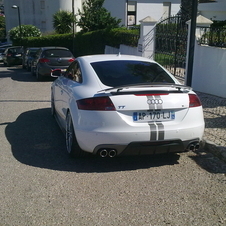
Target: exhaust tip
x: 193, y: 147
x: 197, y: 147
x: 112, y: 153
x: 103, y: 153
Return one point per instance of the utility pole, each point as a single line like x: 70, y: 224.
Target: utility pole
x: 73, y: 28
x: 192, y: 42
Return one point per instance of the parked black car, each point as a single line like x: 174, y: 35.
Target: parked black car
x: 28, y: 56
x: 12, y: 56
x: 50, y: 58
x: 2, y: 50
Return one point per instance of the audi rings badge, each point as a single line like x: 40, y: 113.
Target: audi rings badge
x: 154, y: 101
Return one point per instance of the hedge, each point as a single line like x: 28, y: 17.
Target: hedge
x: 86, y: 43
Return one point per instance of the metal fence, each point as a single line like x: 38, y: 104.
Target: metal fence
x: 212, y: 36
x: 171, y: 45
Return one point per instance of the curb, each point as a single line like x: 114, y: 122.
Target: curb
x: 218, y: 151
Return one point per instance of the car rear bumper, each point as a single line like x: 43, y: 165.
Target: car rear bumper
x: 150, y: 147
x: 45, y: 71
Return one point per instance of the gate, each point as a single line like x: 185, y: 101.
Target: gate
x: 171, y: 45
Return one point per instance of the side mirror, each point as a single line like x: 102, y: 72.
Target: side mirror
x: 56, y: 73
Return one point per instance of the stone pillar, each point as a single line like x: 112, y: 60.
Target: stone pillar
x: 146, y: 43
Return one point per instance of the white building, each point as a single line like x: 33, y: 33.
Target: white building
x: 214, y: 10
x: 37, y: 12
x: 131, y: 12
x: 40, y: 12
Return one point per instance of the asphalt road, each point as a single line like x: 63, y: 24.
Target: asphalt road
x: 41, y: 185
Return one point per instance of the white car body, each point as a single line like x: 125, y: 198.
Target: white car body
x: 142, y: 118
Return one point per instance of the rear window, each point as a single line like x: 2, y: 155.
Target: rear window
x: 15, y: 50
x: 57, y: 53
x: 117, y: 73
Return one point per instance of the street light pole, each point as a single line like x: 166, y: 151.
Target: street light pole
x: 73, y: 28
x: 18, y: 10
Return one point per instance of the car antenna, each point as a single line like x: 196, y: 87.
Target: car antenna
x: 119, y: 54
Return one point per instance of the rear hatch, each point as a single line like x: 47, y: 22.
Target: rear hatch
x: 156, y: 103
x: 58, y: 57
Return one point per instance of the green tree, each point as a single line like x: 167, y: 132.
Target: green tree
x: 2, y: 28
x: 63, y: 21
x: 95, y: 17
x: 26, y: 31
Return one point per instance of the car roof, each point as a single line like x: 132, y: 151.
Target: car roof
x: 110, y: 57
x: 53, y: 47
x: 14, y: 47
x: 33, y: 48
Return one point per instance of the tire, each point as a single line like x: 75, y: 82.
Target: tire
x: 38, y: 76
x: 72, y: 145
x: 32, y: 71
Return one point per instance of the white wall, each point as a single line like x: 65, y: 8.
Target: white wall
x: 123, y: 49
x: 153, y: 8
x: 214, y: 10
x: 209, y: 71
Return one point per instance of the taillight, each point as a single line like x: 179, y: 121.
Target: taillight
x: 71, y: 60
x: 194, y: 101
x: 43, y: 60
x: 96, y: 104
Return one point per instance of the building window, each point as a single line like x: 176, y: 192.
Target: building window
x: 131, y: 13
x: 42, y: 3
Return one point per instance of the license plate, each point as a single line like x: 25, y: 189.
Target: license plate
x: 154, y: 115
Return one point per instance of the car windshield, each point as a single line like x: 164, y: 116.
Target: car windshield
x: 123, y: 72
x: 57, y: 53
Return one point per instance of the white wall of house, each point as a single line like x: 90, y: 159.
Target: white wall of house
x: 37, y: 12
x: 214, y: 10
x: 153, y: 8
x: 209, y: 70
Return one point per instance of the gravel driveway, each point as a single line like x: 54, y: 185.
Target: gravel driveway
x: 41, y: 185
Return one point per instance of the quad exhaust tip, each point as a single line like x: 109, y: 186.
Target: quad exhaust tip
x: 108, y: 153
x: 193, y: 146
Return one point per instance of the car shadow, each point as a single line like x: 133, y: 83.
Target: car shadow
x: 17, y: 73
x: 209, y: 162
x: 37, y: 140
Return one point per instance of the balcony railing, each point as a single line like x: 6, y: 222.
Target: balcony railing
x: 213, y: 36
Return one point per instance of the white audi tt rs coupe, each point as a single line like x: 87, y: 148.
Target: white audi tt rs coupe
x: 114, y: 105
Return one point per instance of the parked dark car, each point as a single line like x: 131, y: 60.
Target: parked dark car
x: 2, y: 50
x: 28, y: 56
x: 50, y: 58
x: 12, y: 56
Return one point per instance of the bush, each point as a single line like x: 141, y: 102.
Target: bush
x: 26, y: 31
x: 87, y: 43
x: 64, y: 40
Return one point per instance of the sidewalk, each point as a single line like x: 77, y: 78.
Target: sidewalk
x: 214, y: 109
